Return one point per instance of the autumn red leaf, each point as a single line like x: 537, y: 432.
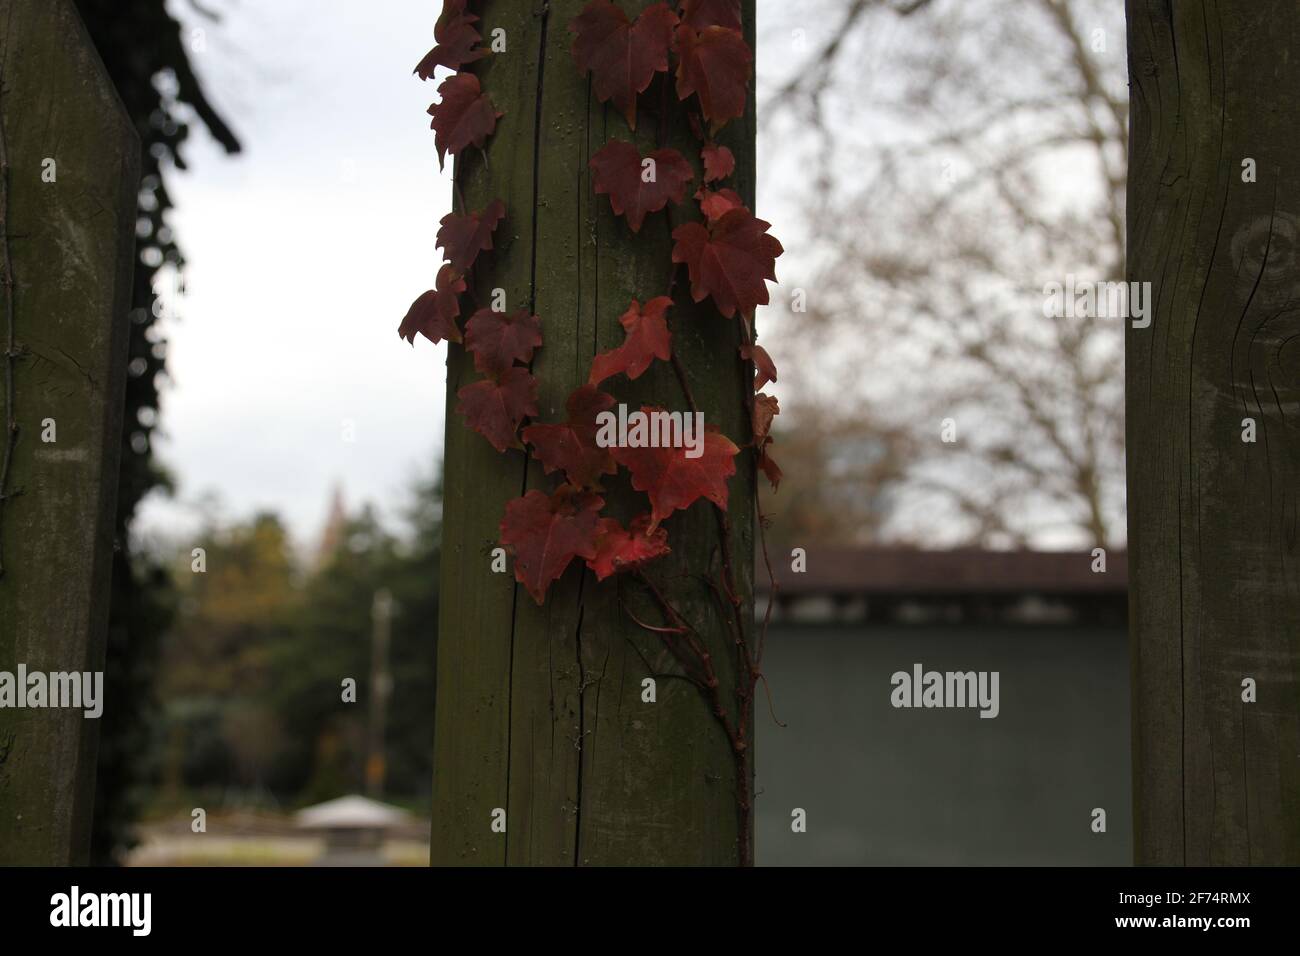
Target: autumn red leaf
x: 716, y: 204
x: 623, y: 549
x: 710, y: 13
x: 719, y: 162
x: 463, y: 116
x: 463, y: 237
x: 620, y: 173
x: 433, y: 314
x: 494, y: 407
x: 713, y: 64
x: 765, y: 409
x: 455, y: 37
x: 673, y: 481
x: 622, y: 56
x: 571, y: 446
x: 729, y: 260
x: 499, y: 339
x: 765, y: 368
x: 647, y: 339
x: 546, y: 532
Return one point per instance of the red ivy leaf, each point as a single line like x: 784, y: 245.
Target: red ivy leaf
x: 495, y: 407
x: 546, y: 532
x: 433, y: 314
x: 455, y: 37
x: 463, y: 116
x: 765, y: 367
x: 729, y: 260
x: 714, y: 65
x: 619, y: 549
x: 673, y: 481
x: 719, y: 162
x: 462, y: 238
x: 620, y: 173
x: 766, y: 408
x: 571, y: 446
x: 709, y: 13
x: 499, y: 339
x: 647, y: 339
x: 622, y: 56
x: 715, y: 205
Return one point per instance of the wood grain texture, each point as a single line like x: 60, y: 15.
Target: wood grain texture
x: 1214, y: 536
x: 72, y: 242
x: 539, y: 710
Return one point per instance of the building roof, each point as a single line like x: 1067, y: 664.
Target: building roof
x: 351, y: 812
x: 907, y: 572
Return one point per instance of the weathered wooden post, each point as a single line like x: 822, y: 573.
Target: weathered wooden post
x: 67, y: 213
x: 541, y: 725
x: 1214, y: 431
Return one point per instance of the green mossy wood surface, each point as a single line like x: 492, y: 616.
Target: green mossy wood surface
x: 71, y: 243
x: 539, y: 710
x: 1214, y: 522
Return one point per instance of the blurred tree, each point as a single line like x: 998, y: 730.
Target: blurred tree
x: 142, y: 47
x: 253, y: 665
x: 996, y: 129
x: 849, y: 469
x: 216, y: 657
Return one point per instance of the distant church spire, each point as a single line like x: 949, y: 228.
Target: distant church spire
x: 331, y: 538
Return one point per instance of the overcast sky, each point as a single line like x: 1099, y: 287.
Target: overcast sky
x: 304, y: 253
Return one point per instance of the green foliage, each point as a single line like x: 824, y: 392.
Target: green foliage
x: 253, y: 667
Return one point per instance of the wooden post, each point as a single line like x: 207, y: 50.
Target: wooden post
x: 1214, y: 431
x: 539, y: 710
x: 68, y: 217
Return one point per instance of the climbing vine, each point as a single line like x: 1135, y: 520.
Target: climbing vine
x: 727, y: 256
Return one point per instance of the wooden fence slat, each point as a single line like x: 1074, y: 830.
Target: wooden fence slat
x: 70, y: 186
x: 1214, y: 518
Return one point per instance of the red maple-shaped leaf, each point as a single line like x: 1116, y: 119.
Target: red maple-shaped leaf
x: 571, y: 446
x: 711, y: 13
x: 622, y: 549
x: 455, y: 38
x: 765, y: 368
x: 464, y: 116
x: 463, y: 237
x: 499, y: 339
x: 546, y: 532
x: 673, y: 481
x: 729, y: 260
x: 764, y: 411
x: 622, y: 56
x: 494, y: 407
x: 647, y: 339
x: 714, y: 64
x: 766, y: 408
x: 716, y: 204
x: 719, y: 162
x: 636, y: 186
x: 433, y: 314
